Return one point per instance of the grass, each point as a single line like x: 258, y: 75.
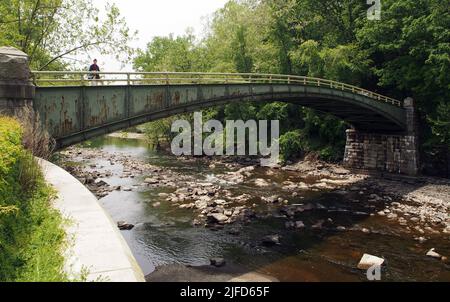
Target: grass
x: 32, y: 239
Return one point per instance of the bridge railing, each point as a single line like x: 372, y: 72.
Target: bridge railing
x: 83, y: 78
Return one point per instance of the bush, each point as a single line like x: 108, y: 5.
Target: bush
x: 291, y: 144
x: 31, y: 236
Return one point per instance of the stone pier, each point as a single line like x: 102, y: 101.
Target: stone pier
x: 385, y: 152
x: 16, y: 87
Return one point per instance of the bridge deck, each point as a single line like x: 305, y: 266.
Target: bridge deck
x: 74, y: 108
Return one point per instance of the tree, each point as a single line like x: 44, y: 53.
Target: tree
x: 171, y: 54
x: 50, y: 30
x: 405, y: 54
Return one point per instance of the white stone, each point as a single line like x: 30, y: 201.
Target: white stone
x: 261, y: 182
x: 201, y: 204
x: 367, y: 261
x: 432, y: 253
x: 221, y: 218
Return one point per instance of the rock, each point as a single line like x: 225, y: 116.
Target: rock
x: 374, y: 197
x: 187, y: 206
x: 123, y: 226
x: 392, y: 216
x: 220, y: 202
x: 101, y: 183
x: 299, y: 225
x: 201, y: 204
x: 156, y: 204
x: 367, y: 261
x: 289, y: 224
x: 341, y: 228
x: 126, y: 189
x: 217, y: 217
x: 365, y: 231
x: 103, y: 194
x: 432, y: 253
x: 382, y: 213
x: 228, y: 212
x: 217, y: 262
x: 151, y: 181
x: 163, y: 195
x: 243, y: 197
x: 318, y: 225
x: 261, y: 182
x: 271, y: 240
x: 340, y: 171
x: 421, y: 239
x: 89, y: 179
x: 272, y: 199
x: 196, y: 222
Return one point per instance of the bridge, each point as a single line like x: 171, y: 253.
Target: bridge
x: 74, y: 108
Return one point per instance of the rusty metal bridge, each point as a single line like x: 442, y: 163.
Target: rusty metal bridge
x: 75, y: 108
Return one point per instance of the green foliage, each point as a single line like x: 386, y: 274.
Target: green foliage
x: 31, y: 237
x: 49, y: 30
x: 161, y: 130
x: 291, y: 144
x: 441, y: 124
x: 170, y: 54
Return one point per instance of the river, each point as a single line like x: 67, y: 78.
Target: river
x: 339, y: 226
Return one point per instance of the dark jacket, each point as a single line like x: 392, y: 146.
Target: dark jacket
x: 94, y: 67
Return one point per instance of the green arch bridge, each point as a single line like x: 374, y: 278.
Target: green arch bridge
x: 73, y: 108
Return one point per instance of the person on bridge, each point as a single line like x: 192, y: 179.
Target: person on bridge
x: 94, y: 69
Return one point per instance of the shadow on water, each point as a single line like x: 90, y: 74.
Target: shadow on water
x: 164, y: 235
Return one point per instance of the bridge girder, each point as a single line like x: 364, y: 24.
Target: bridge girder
x: 75, y: 114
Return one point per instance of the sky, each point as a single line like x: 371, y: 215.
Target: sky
x: 153, y: 18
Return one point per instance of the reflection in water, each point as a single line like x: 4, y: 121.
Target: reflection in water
x: 164, y: 235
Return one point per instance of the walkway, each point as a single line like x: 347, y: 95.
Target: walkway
x: 96, y: 243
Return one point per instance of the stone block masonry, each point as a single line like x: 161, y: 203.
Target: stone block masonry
x: 389, y: 153
x: 385, y: 152
x: 16, y: 87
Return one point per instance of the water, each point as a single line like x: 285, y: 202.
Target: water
x: 164, y: 235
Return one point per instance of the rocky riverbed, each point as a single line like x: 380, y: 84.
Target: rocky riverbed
x: 421, y: 204
x: 310, y: 198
